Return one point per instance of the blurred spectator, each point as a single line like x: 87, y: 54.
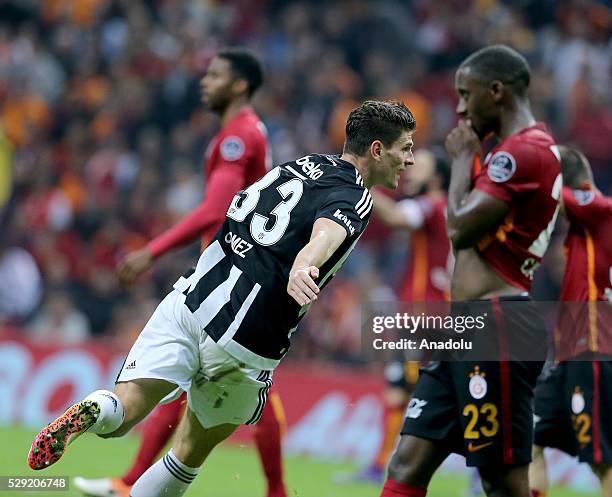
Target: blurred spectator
x: 20, y: 285
x: 59, y: 321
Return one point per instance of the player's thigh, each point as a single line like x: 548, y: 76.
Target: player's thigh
x: 431, y: 429
x: 553, y: 424
x: 227, y: 391
x: 505, y: 481
x: 193, y: 442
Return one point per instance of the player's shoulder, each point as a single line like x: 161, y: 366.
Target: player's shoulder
x: 325, y: 170
x: 524, y: 151
x: 528, y: 140
x: 241, y: 134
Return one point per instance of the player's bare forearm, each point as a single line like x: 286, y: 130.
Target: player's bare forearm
x: 458, y: 191
x: 325, y: 239
x: 389, y: 212
x: 470, y: 214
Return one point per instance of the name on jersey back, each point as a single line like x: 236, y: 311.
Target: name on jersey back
x: 238, y: 245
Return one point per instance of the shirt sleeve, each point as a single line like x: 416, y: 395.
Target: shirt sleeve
x: 511, y: 171
x: 586, y: 207
x: 235, y: 149
x: 350, y: 208
x: 224, y: 182
x: 417, y: 211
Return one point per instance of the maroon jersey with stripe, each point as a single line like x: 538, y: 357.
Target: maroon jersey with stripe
x: 524, y: 171
x: 588, y: 274
x: 427, y: 276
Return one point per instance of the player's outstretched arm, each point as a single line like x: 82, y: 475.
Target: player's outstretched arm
x: 325, y: 239
x: 208, y: 216
x: 396, y: 214
x: 471, y: 214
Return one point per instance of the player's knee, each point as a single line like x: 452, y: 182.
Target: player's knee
x: 403, y: 468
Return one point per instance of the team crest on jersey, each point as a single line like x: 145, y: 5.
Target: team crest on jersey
x: 502, y: 167
x: 478, y: 385
x: 232, y: 148
x: 583, y: 197
x: 578, y: 403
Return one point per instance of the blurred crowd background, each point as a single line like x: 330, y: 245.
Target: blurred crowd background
x: 102, y: 132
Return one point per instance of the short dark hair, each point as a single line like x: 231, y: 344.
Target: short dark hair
x: 245, y: 65
x: 574, y: 167
x: 500, y: 62
x: 376, y: 120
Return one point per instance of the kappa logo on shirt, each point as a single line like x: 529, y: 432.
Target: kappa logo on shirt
x: 347, y: 222
x: 232, y: 148
x: 502, y: 167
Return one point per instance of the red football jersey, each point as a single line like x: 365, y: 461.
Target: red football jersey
x: 236, y: 157
x: 523, y: 170
x: 427, y: 276
x: 588, y: 274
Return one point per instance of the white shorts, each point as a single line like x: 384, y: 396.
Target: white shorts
x: 172, y: 347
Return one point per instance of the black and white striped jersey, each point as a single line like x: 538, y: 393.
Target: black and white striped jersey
x: 238, y: 289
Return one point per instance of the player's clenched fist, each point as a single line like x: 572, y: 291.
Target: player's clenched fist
x: 134, y: 264
x: 462, y: 140
x: 302, y: 287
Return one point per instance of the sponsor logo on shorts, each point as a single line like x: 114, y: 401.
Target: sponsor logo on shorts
x: 478, y: 385
x: 131, y: 365
x: 475, y: 448
x: 415, y: 408
x: 502, y: 167
x: 578, y: 403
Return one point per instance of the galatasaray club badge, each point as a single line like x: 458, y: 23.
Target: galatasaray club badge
x: 478, y: 384
x: 578, y: 403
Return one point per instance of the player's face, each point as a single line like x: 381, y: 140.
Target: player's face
x: 418, y: 176
x: 476, y: 103
x: 216, y: 85
x: 395, y: 159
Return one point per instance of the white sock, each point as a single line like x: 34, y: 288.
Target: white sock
x: 168, y: 477
x: 111, y: 412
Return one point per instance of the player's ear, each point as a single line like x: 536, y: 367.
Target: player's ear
x: 240, y: 86
x: 497, y: 89
x: 376, y: 149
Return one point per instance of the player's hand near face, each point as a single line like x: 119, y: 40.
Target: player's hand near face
x: 325, y: 239
x: 462, y: 141
x: 133, y: 265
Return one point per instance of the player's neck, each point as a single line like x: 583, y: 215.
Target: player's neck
x: 233, y: 108
x: 517, y: 119
x: 359, y: 164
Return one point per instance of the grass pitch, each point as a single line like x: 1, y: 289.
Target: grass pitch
x: 231, y: 471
